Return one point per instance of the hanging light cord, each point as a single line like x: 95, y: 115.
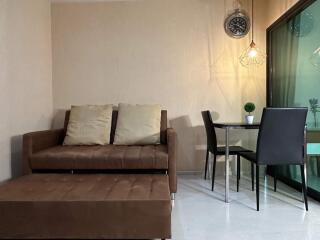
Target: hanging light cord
x: 252, y: 32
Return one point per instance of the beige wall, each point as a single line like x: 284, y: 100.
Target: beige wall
x: 25, y: 76
x: 172, y: 52
x: 276, y: 8
x: 149, y: 51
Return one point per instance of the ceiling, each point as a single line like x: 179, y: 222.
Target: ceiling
x: 62, y: 1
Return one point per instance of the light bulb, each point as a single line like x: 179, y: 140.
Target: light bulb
x: 252, y: 53
x: 252, y: 56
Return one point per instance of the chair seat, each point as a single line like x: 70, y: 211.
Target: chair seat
x: 233, y: 150
x: 251, y: 156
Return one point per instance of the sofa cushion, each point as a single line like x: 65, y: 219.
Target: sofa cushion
x: 89, y: 125
x: 163, y: 127
x: 138, y: 124
x: 101, y: 157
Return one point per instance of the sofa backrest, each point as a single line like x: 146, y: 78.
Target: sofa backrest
x: 163, y: 125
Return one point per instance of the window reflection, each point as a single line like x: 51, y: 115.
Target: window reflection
x: 295, y: 63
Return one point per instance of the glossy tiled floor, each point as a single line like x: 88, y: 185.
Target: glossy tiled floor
x: 201, y: 214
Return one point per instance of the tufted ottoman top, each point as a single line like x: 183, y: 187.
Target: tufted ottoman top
x: 85, y: 187
x: 85, y: 206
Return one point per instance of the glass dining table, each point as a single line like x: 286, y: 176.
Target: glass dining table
x: 227, y: 127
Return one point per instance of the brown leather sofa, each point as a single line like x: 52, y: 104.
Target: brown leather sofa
x: 43, y: 152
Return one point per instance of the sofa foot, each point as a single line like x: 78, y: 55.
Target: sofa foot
x: 173, y: 196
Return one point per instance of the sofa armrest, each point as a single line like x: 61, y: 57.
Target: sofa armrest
x: 36, y: 141
x: 172, y: 157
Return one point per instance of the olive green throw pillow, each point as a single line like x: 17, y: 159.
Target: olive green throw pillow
x: 138, y: 125
x: 89, y: 125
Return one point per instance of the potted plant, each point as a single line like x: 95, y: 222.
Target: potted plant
x: 249, y: 108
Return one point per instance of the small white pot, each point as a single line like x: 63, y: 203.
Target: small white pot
x: 249, y: 119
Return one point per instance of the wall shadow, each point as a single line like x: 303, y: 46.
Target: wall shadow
x: 16, y: 156
x: 192, y: 144
x: 58, y: 118
x: 183, y: 127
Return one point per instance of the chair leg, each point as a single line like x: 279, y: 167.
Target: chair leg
x: 206, y: 166
x: 304, y: 187
x: 252, y: 176
x: 213, y: 170
x: 275, y: 179
x: 257, y: 186
x: 238, y: 171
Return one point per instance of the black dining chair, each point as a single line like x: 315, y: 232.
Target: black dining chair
x: 280, y: 143
x: 213, y: 148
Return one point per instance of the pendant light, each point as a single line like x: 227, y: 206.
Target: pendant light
x: 252, y: 56
x: 315, y: 58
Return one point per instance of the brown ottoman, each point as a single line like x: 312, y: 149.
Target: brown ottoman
x: 97, y: 206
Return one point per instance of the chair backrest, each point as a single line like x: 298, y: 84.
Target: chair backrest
x: 281, y: 136
x: 210, y: 131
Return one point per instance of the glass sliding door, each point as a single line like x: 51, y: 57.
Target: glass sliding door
x: 294, y: 78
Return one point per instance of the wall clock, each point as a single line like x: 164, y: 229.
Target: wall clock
x: 237, y: 24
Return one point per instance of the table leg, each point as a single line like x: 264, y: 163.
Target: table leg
x: 227, y: 167
x: 306, y: 157
x: 306, y: 173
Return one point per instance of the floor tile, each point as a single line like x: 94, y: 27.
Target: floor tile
x: 199, y: 213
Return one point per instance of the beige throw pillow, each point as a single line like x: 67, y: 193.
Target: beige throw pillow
x: 89, y: 125
x: 138, y: 124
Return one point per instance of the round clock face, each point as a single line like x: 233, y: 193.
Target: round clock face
x: 302, y: 25
x: 237, y: 24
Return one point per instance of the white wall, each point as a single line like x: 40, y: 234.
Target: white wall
x: 25, y: 76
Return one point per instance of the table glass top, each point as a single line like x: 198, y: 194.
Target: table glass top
x: 313, y: 149
x: 236, y: 124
